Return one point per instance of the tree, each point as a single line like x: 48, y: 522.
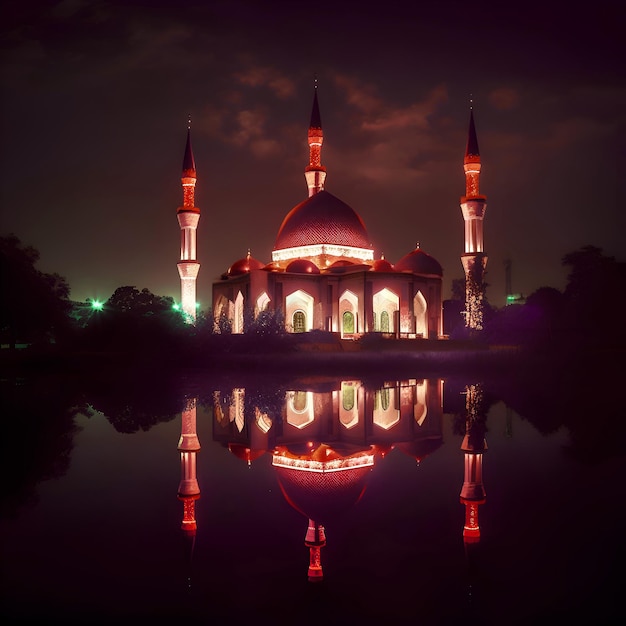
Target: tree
x: 595, y: 295
x: 129, y: 299
x: 34, y: 306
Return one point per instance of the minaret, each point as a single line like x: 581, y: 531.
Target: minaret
x: 188, y: 488
x: 473, y: 207
x: 315, y: 540
x: 315, y: 172
x: 188, y: 216
x: 473, y: 493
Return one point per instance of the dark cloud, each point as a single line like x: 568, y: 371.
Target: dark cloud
x: 96, y: 97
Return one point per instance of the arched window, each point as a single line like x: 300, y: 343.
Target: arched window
x: 384, y: 322
x: 299, y: 322
x: 348, y: 322
x: 375, y: 322
x: 347, y: 398
x: 382, y: 399
x: 299, y: 401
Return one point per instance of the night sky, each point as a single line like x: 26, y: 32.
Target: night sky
x: 96, y: 96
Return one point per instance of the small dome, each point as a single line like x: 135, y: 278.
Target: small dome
x: 244, y: 453
x: 302, y: 266
x: 419, y: 262
x: 322, y: 219
x: 382, y: 265
x: 419, y: 450
x: 245, y: 265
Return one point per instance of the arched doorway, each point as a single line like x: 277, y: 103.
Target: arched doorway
x: 421, y: 319
x: 299, y: 311
x: 385, y: 304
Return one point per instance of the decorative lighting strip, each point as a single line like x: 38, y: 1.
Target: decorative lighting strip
x: 365, y: 254
x: 336, y: 465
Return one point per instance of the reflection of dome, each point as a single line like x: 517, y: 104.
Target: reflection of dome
x: 245, y: 453
x: 302, y: 266
x: 243, y: 266
x: 322, y: 219
x: 419, y: 262
x: 323, y: 489
x: 419, y: 450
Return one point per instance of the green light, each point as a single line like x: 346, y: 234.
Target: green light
x: 96, y: 305
x: 176, y: 306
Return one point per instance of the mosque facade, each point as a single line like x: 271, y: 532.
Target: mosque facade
x: 323, y: 274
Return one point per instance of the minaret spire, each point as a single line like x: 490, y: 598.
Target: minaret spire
x: 473, y: 206
x: 315, y: 172
x: 188, y: 216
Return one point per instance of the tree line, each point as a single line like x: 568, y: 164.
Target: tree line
x: 36, y: 310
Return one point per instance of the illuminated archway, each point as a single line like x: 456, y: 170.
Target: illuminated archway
x: 221, y: 314
x: 299, y: 301
x: 386, y: 303
x: 421, y: 318
x: 238, y: 314
x: 386, y: 413
x: 420, y: 409
x: 299, y: 408
x: 262, y: 302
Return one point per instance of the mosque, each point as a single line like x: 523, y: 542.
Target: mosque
x: 323, y: 274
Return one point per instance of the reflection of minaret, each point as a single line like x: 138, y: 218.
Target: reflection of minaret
x: 473, y: 206
x: 188, y: 488
x: 473, y: 491
x: 315, y: 172
x: 321, y: 484
x: 188, y: 217
x: 315, y: 540
x: 474, y: 445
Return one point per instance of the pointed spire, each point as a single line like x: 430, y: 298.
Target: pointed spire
x: 189, y: 165
x: 315, y: 172
x: 471, y: 161
x: 472, y: 140
x: 316, y: 120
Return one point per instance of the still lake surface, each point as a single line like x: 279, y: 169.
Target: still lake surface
x: 440, y: 502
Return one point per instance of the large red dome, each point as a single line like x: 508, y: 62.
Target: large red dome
x: 322, y: 219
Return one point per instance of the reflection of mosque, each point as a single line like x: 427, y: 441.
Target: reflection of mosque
x: 324, y: 440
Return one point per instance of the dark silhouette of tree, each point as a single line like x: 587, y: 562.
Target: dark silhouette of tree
x: 37, y: 435
x: 267, y: 323
x: 34, y: 306
x: 138, y: 323
x: 152, y: 398
x: 595, y: 296
x: 547, y: 307
x: 129, y: 299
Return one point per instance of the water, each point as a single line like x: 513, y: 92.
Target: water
x: 106, y: 521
